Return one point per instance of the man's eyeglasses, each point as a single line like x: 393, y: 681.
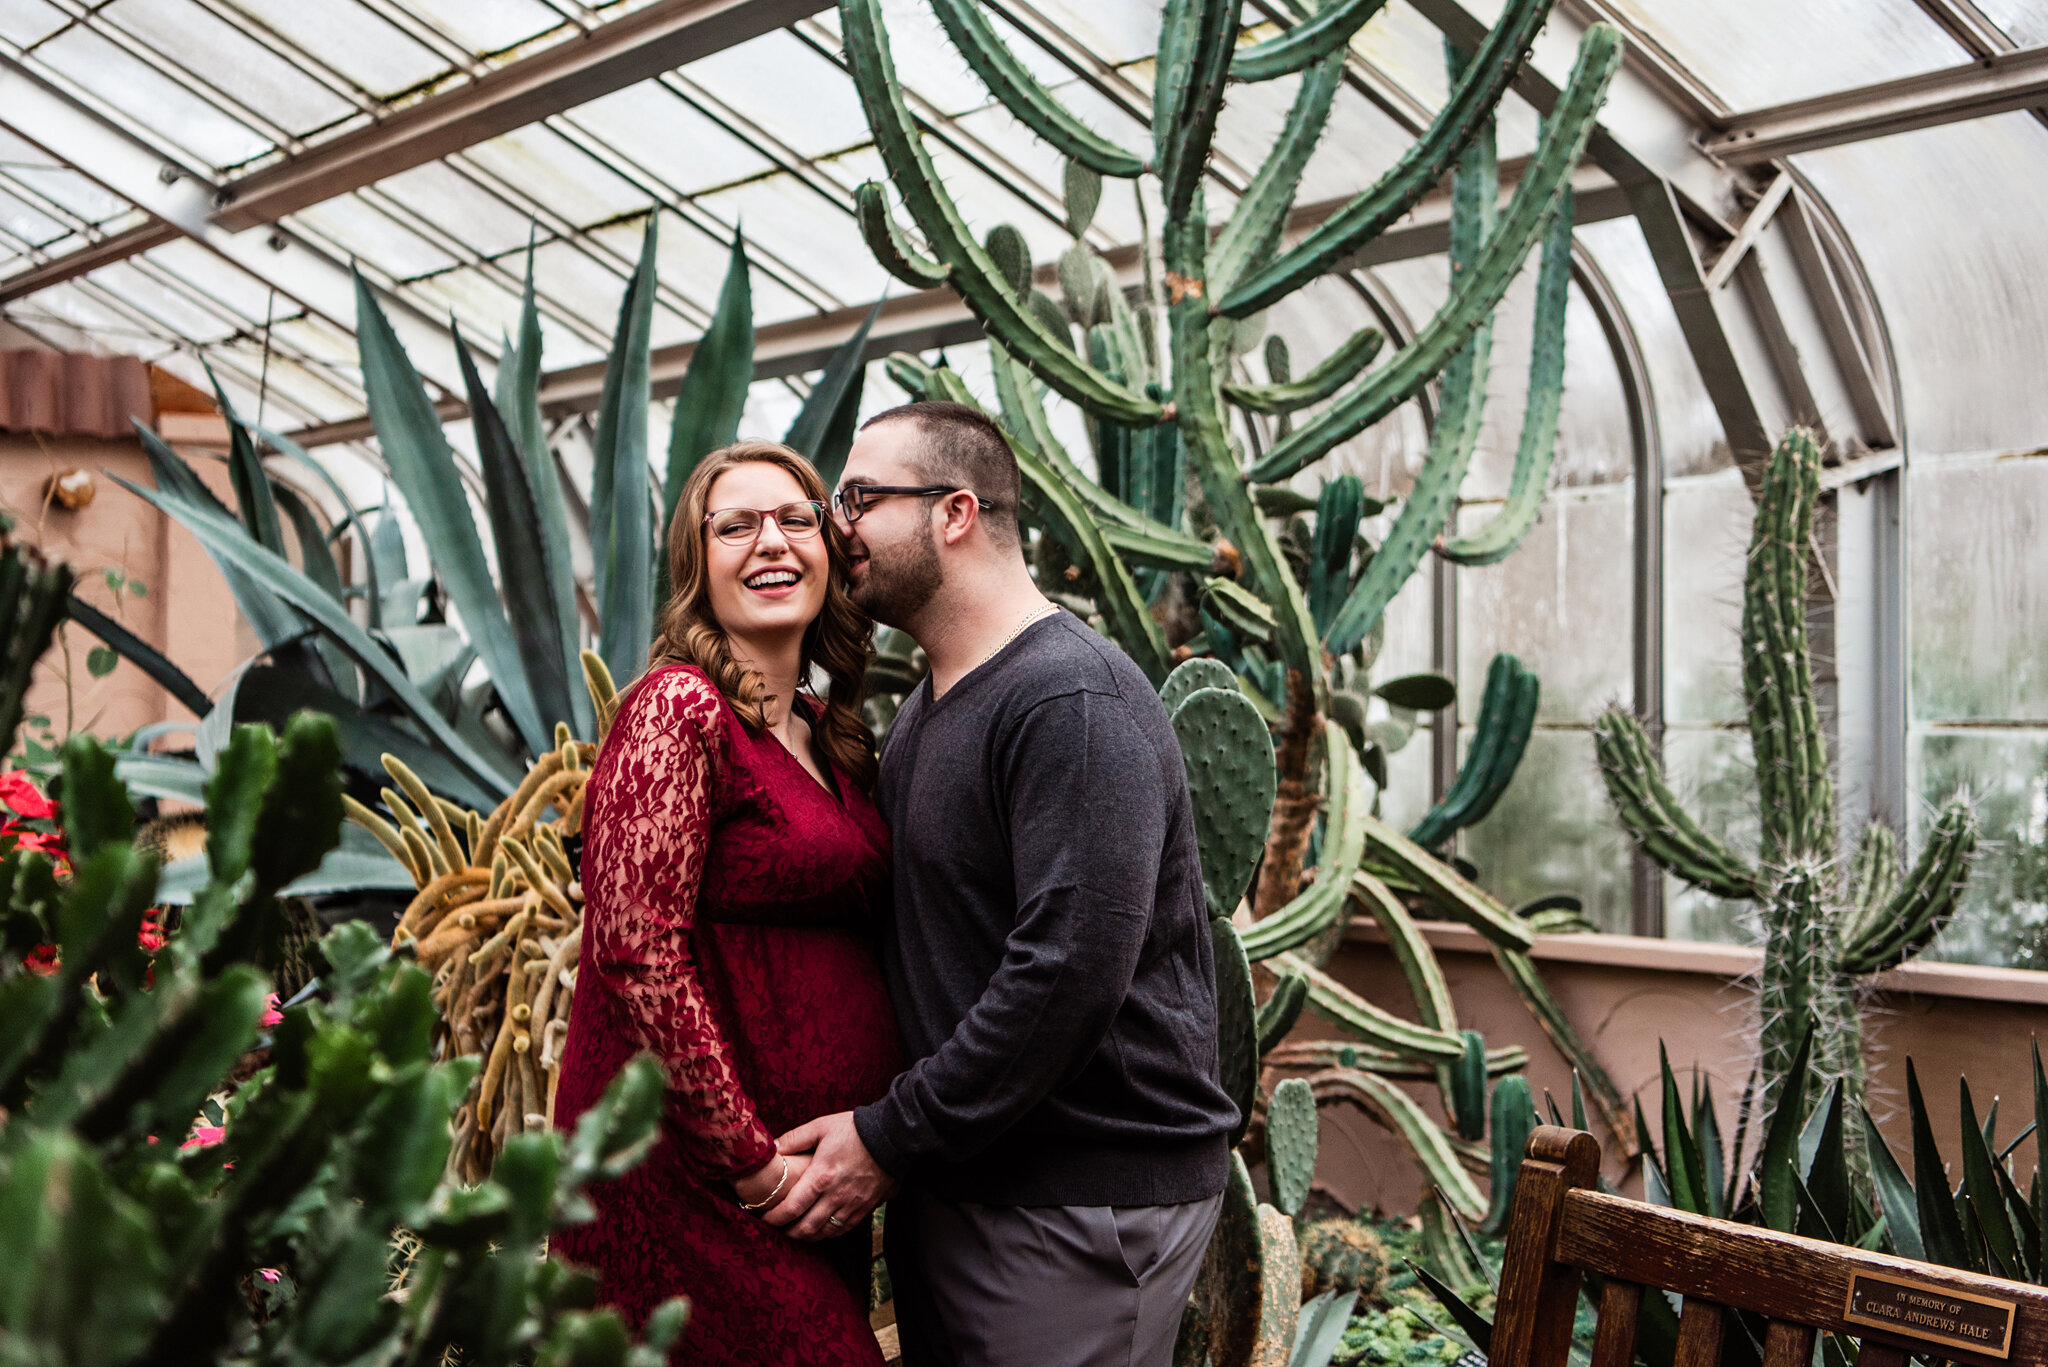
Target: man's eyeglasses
x: 852, y: 501
x: 739, y: 526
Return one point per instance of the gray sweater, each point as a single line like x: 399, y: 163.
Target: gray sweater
x: 1048, y: 950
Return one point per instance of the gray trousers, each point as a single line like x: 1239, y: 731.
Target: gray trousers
x: 1042, y: 1286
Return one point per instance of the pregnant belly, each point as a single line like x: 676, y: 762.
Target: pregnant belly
x: 808, y: 1016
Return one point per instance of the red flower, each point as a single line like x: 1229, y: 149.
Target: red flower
x: 204, y: 1137
x: 151, y: 936
x: 271, y: 1015
x: 18, y: 791
x: 42, y: 960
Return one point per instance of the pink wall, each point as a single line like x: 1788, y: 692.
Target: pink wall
x: 1625, y: 995
x: 205, y: 634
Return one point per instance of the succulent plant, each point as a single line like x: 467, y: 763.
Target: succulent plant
x: 267, y: 1235
x: 1343, y: 1256
x: 1827, y: 923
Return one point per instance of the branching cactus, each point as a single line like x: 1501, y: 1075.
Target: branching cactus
x: 1825, y: 926
x: 1180, y: 533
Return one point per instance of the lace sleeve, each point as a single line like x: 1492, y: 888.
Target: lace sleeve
x: 650, y: 820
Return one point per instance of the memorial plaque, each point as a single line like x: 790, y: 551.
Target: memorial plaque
x: 1932, y: 1314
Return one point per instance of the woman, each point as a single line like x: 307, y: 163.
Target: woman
x: 731, y: 863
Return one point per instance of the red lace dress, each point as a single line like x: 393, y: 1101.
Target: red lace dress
x: 727, y: 931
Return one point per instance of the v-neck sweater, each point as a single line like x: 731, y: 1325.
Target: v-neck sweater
x: 1046, y: 948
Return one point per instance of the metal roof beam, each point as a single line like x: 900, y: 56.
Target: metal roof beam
x: 937, y: 318
x: 1994, y: 84
x: 181, y: 197
x: 620, y: 53
x: 115, y: 247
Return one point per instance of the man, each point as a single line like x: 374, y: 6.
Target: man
x: 1060, y: 1134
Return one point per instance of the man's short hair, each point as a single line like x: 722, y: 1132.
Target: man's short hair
x: 963, y: 447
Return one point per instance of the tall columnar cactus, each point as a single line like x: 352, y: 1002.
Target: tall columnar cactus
x: 1825, y: 925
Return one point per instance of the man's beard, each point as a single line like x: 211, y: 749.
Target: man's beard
x: 895, y: 589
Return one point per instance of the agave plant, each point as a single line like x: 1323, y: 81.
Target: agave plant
x: 466, y: 693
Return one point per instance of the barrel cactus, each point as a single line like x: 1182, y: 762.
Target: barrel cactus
x: 1827, y: 923
x: 1343, y: 1256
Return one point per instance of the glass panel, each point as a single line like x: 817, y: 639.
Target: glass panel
x: 352, y: 39
x: 1706, y: 541
x: 1116, y: 33
x: 653, y: 126
x: 1687, y: 424
x: 181, y: 315
x: 540, y: 166
x: 1561, y: 604
x: 490, y: 26
x: 193, y: 264
x: 1407, y: 49
x: 185, y: 120
x: 783, y: 85
x: 230, y: 61
x: 813, y: 238
x: 1760, y: 52
x: 1715, y: 779
x: 2024, y: 21
x: 1979, y: 612
x: 440, y: 193
x: 359, y: 229
x: 27, y: 22
x: 26, y: 222
x: 1552, y: 831
x: 2003, y: 919
x: 1953, y: 269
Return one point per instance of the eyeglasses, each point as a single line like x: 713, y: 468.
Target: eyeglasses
x: 852, y: 501
x: 739, y: 526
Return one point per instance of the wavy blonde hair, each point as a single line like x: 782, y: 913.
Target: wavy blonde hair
x: 837, y: 640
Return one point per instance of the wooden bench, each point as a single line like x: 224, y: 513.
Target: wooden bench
x: 1563, y: 1229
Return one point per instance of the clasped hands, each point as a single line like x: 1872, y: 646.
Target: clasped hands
x: 832, y: 1183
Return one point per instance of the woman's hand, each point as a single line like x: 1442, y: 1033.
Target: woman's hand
x: 758, y: 1185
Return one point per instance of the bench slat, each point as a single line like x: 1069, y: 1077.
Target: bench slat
x: 1791, y: 1345
x: 1614, y: 1336
x: 1700, y: 1327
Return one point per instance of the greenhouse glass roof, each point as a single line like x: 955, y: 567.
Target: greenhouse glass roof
x: 1831, y: 211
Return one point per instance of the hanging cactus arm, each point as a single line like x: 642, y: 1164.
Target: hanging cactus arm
x: 1279, y: 1012
x: 1208, y: 449
x: 1317, y: 908
x: 1305, y: 44
x: 1478, y: 290
x: 1419, y: 170
x: 1012, y: 83
x: 1254, y: 227
x: 1399, y: 1112
x: 1053, y: 505
x: 1651, y: 814
x: 1538, y: 445
x: 1340, y: 507
x: 1796, y: 795
x: 1239, y: 609
x: 1426, y: 983
x: 1528, y: 983
x: 1191, y: 73
x: 1140, y: 539
x: 1381, y: 1028
x: 889, y: 243
x: 1507, y: 717
x: 977, y: 278
x: 1924, y: 902
x: 1328, y: 376
x: 1443, y: 886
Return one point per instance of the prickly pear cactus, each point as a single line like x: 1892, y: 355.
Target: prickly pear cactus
x: 1823, y: 931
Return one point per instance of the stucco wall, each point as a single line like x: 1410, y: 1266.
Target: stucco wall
x: 1625, y: 995
x: 187, y: 612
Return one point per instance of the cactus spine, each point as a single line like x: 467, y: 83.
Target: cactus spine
x: 1824, y: 927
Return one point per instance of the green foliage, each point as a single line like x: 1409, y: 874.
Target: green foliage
x: 1825, y: 925
x: 268, y: 1235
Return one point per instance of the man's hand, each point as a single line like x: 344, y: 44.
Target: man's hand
x: 841, y: 1187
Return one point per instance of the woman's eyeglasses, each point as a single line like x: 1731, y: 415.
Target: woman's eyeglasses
x: 852, y: 501
x: 739, y: 526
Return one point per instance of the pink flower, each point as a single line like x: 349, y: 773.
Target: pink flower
x: 204, y: 1137
x: 271, y: 1015
x: 18, y: 791
x: 269, y: 1274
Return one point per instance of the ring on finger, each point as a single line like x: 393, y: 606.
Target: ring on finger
x: 835, y: 1222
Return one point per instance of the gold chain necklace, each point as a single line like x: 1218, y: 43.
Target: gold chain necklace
x: 1043, y: 612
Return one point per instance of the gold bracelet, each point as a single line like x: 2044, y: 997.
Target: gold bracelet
x: 769, y: 1199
